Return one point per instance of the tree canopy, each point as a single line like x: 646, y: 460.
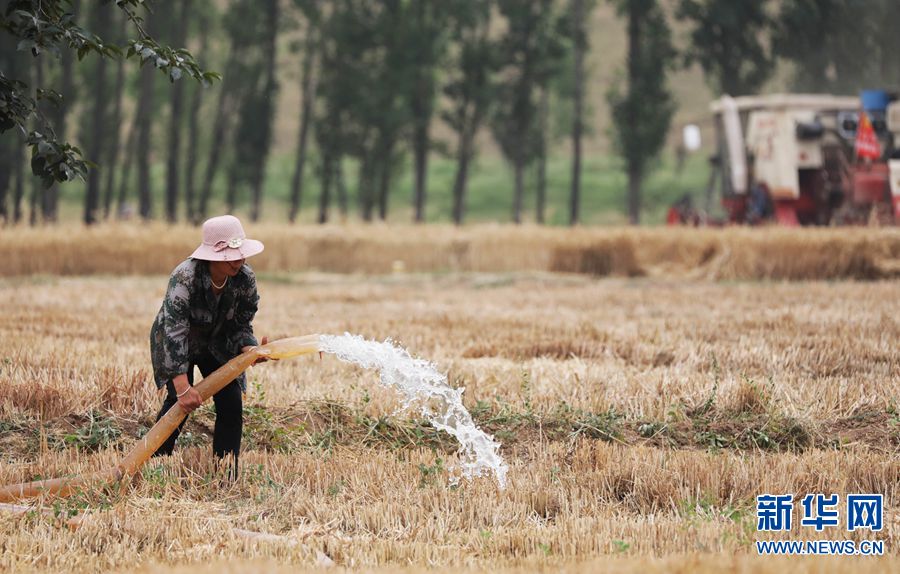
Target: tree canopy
x: 839, y: 46
x: 729, y: 40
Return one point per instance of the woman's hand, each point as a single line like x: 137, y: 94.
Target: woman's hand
x: 188, y: 397
x: 262, y: 341
x: 190, y: 400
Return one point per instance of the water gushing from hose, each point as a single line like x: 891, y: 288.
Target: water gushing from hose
x: 422, y: 386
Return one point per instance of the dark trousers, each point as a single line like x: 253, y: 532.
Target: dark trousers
x: 229, y: 411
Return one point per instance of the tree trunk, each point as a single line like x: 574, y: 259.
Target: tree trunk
x: 308, y: 90
x: 384, y: 183
x: 10, y: 142
x: 144, y: 133
x: 98, y: 124
x: 519, y: 168
x: 37, y: 186
x: 366, y: 188
x: 193, y: 127
x: 421, y: 116
x: 541, y: 191
x: 579, y: 33
x: 19, y: 189
x: 462, y: 174
x: 635, y: 164
x: 69, y: 93
x: 180, y: 11
x: 113, y: 148
x: 259, y: 170
x: 221, y: 124
x: 634, y: 194
x: 466, y: 152
x: 127, y: 162
x: 340, y: 187
x: 420, y: 151
x: 7, y: 157
x: 231, y: 188
x: 324, y: 198
x: 541, y: 195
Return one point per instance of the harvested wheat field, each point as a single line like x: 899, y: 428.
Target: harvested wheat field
x: 642, y: 401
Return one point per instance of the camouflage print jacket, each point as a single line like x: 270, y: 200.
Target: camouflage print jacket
x: 191, y: 322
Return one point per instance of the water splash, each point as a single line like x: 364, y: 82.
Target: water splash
x: 421, y: 384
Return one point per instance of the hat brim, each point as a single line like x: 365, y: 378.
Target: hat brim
x: 248, y: 248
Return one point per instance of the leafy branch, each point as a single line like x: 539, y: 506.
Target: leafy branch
x: 49, y: 26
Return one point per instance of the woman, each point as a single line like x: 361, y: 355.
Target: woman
x: 206, y: 320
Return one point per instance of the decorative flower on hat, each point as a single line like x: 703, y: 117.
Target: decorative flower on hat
x: 233, y: 243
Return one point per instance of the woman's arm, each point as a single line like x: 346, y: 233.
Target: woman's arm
x: 246, y: 305
x: 176, y: 328
x: 176, y: 322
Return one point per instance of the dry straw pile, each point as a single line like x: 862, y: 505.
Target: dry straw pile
x: 734, y: 253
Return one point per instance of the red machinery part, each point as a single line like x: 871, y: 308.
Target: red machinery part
x: 870, y: 183
x: 794, y: 212
x: 786, y: 213
x: 736, y: 207
x: 673, y: 217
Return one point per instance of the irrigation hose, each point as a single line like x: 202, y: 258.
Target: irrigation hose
x: 163, y: 429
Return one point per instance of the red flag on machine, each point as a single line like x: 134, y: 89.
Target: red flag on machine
x: 866, y: 141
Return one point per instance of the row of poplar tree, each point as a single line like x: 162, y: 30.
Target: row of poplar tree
x: 376, y: 75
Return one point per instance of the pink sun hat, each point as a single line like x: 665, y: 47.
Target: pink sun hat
x: 224, y: 240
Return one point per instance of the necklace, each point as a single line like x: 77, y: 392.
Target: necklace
x: 222, y: 286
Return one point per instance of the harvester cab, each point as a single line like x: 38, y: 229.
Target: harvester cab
x: 797, y: 159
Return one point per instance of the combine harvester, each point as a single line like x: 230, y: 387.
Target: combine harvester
x: 798, y: 159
